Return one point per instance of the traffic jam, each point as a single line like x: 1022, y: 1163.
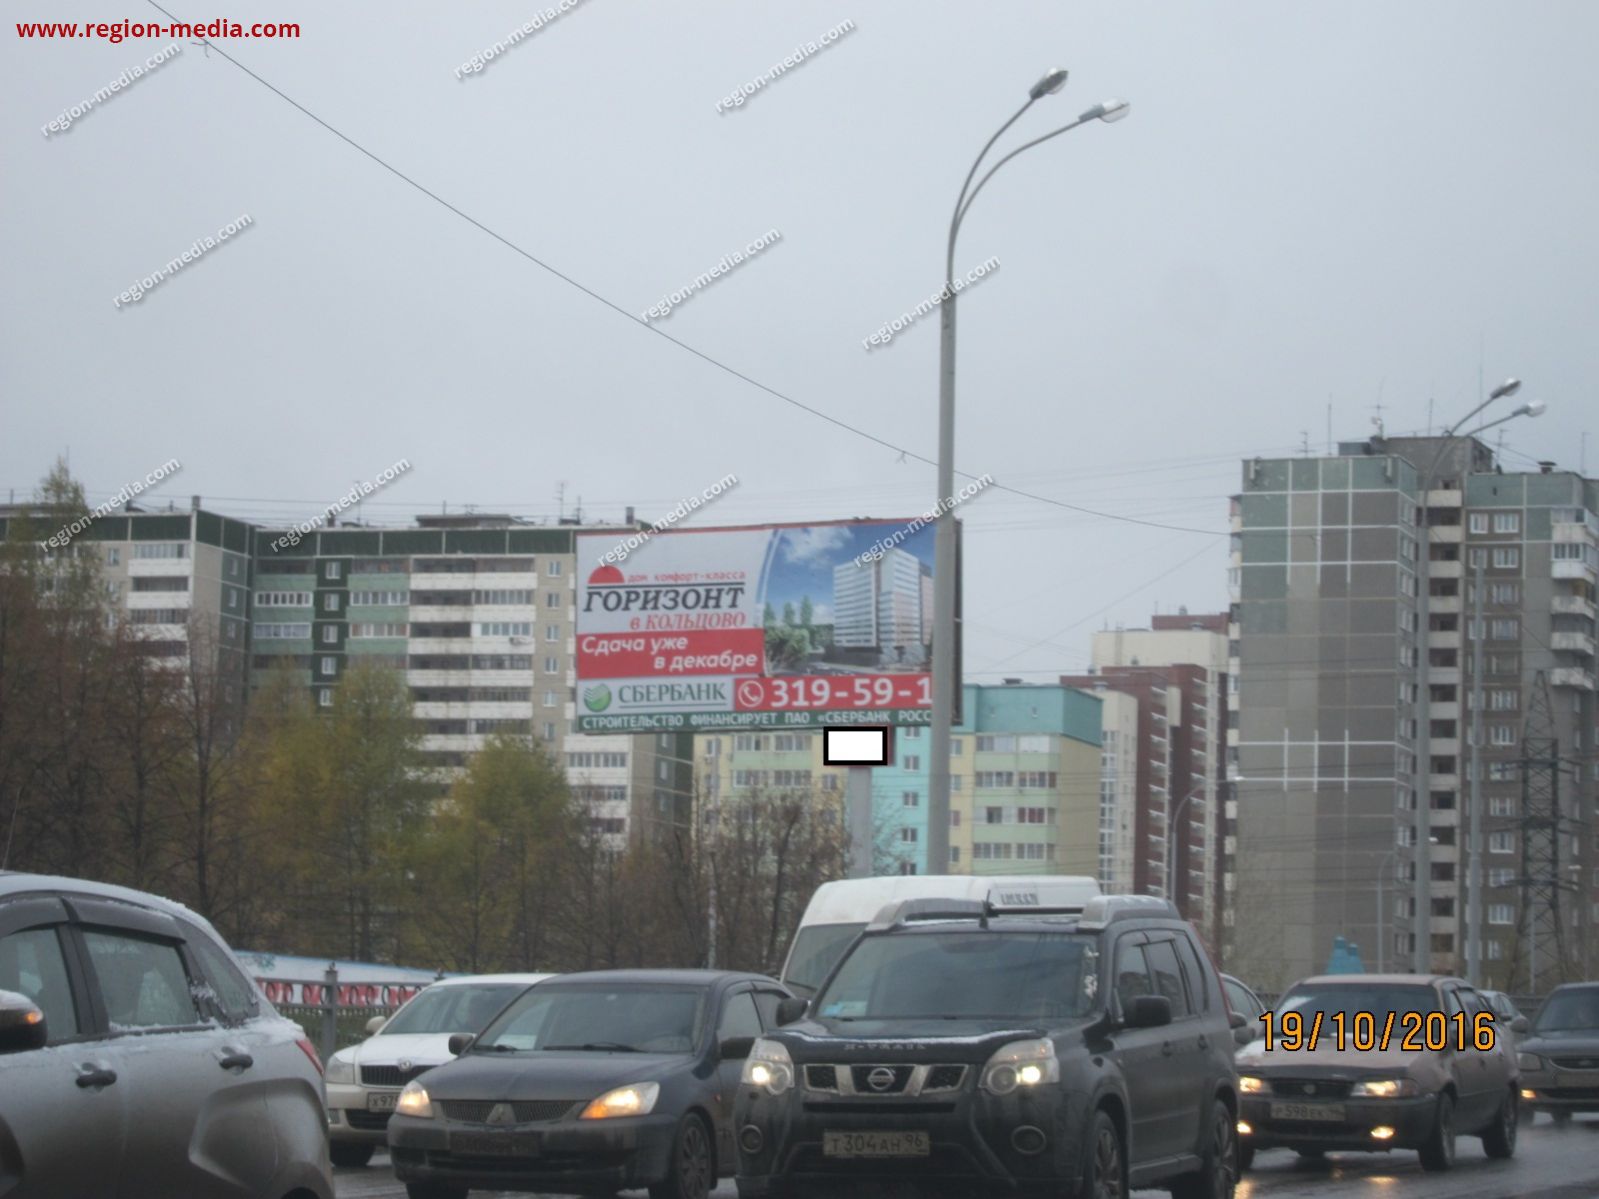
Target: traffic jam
x: 957, y: 1034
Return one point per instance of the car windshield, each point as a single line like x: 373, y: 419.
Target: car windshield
x: 616, y: 1019
x: 451, y: 1009
x: 1348, y: 998
x: 1576, y: 1010
x: 817, y: 949
x: 965, y: 974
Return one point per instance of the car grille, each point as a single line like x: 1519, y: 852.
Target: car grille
x: 894, y: 1080
x: 390, y: 1076
x: 1311, y: 1088
x: 1576, y: 1063
x: 1569, y: 1092
x: 367, y: 1121
x: 530, y: 1111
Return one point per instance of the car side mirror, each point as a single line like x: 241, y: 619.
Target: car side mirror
x: 375, y: 1025
x: 1519, y: 1024
x: 791, y: 1009
x: 22, y: 1024
x: 1148, y: 1011
x: 1243, y: 1034
x: 1237, y: 1020
x: 736, y: 1049
x: 460, y: 1042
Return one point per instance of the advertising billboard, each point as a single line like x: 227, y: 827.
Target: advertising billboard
x: 762, y: 626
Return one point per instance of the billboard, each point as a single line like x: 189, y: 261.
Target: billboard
x: 762, y: 626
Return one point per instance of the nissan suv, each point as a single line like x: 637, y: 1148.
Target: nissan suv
x: 962, y: 1044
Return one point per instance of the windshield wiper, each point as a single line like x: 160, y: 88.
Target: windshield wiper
x: 497, y: 1048
x: 615, y: 1046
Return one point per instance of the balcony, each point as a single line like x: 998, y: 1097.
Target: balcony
x: 1444, y: 711
x: 1573, y: 568
x: 1445, y: 604
x: 1444, y: 499
x: 1444, y: 639
x: 1444, y: 570
x: 1571, y: 676
x: 1445, y: 533
x: 1572, y: 605
x: 1572, y: 643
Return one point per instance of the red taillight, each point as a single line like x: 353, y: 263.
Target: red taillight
x: 310, y: 1051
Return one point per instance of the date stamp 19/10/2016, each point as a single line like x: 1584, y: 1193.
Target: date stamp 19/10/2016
x: 1410, y: 1032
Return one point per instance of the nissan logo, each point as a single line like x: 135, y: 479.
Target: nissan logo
x: 880, y: 1079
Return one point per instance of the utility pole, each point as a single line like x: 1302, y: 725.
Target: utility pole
x: 1540, y: 930
x: 1474, y: 810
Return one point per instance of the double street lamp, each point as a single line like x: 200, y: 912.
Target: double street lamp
x: 1421, y: 924
x: 945, y: 684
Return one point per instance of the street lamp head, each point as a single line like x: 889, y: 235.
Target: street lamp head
x: 1531, y: 408
x: 1110, y: 110
x: 1508, y: 388
x: 1049, y: 84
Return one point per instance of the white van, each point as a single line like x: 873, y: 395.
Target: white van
x: 840, y: 910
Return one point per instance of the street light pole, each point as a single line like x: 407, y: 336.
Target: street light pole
x: 945, y: 684
x: 1421, y: 915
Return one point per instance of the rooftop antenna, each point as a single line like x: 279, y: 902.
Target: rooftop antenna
x: 1330, y: 446
x: 560, y: 500
x: 1582, y: 454
x: 359, y: 500
x: 1304, y: 442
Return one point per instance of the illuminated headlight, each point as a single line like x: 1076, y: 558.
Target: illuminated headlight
x: 1250, y: 1085
x: 768, y: 1066
x: 1529, y: 1061
x: 635, y: 1099
x: 1021, y: 1064
x: 1385, y: 1088
x: 341, y: 1069
x: 414, y: 1101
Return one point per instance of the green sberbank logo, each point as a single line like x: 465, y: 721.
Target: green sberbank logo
x: 597, y: 698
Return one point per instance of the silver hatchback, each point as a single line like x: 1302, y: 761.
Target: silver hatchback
x: 136, y: 1058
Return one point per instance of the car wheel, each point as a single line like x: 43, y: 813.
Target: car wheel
x: 693, y: 1168
x: 1246, y: 1156
x: 1104, y: 1169
x: 1499, y: 1138
x: 1439, y: 1152
x: 1217, y: 1175
x: 345, y: 1153
x: 433, y: 1190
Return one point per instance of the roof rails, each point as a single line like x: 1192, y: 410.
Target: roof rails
x: 1103, y: 909
x: 906, y: 910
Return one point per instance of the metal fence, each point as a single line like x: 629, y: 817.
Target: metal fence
x: 335, y: 1014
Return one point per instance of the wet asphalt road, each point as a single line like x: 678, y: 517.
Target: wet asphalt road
x: 1550, y: 1163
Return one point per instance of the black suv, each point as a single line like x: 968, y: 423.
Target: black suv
x: 957, y: 1044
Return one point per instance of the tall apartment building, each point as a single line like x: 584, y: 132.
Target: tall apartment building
x: 1325, y: 580
x: 1024, y: 782
x: 1174, y: 674
x: 476, y: 611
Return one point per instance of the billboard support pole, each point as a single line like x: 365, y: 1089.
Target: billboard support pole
x: 858, y: 813
x: 944, y: 682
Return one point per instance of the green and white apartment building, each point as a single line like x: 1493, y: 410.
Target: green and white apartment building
x: 1024, y: 782
x: 477, y: 611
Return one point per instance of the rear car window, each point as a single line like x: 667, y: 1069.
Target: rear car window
x: 141, y: 980
x: 234, y: 996
x: 1168, y: 976
x: 31, y: 964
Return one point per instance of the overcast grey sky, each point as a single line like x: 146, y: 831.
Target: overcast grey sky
x: 1311, y: 203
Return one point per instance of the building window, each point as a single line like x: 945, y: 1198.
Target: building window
x: 282, y: 632
x: 913, y: 762
x: 330, y: 665
x: 993, y: 815
x: 910, y: 734
x: 1504, y: 593
x: 335, y: 570
x: 957, y: 747
x: 552, y: 632
x: 113, y: 555
x: 379, y: 628
x: 954, y: 853
x: 330, y: 602
x: 505, y: 628
x: 1029, y: 815
x: 1501, y: 876
x: 1500, y: 913
x: 748, y: 743
x: 553, y: 568
x: 1502, y: 734
x: 503, y: 595
x: 551, y: 699
x: 552, y: 665
x: 1501, y: 805
x: 1501, y: 843
x: 547, y: 730
x: 1479, y: 522
x: 1504, y: 629
x: 1002, y: 743
x: 330, y: 634
x: 1504, y: 700
x: 552, y: 599
x: 954, y: 818
x: 996, y: 778
x: 1506, y: 557
x: 830, y: 782
x: 324, y: 697
x: 955, y: 782
x: 907, y: 834
x: 1507, y: 522
x: 910, y: 799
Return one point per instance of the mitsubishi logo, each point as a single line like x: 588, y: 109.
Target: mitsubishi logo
x: 405, y: 1066
x: 501, y: 1113
x: 880, y: 1079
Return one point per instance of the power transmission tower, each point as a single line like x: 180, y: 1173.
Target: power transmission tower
x: 1539, y: 957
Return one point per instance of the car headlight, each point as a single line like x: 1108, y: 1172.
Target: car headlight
x: 414, y: 1101
x: 635, y: 1099
x: 1529, y: 1061
x: 340, y: 1069
x: 1021, y: 1064
x: 769, y: 1065
x: 1250, y: 1085
x: 1385, y: 1088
